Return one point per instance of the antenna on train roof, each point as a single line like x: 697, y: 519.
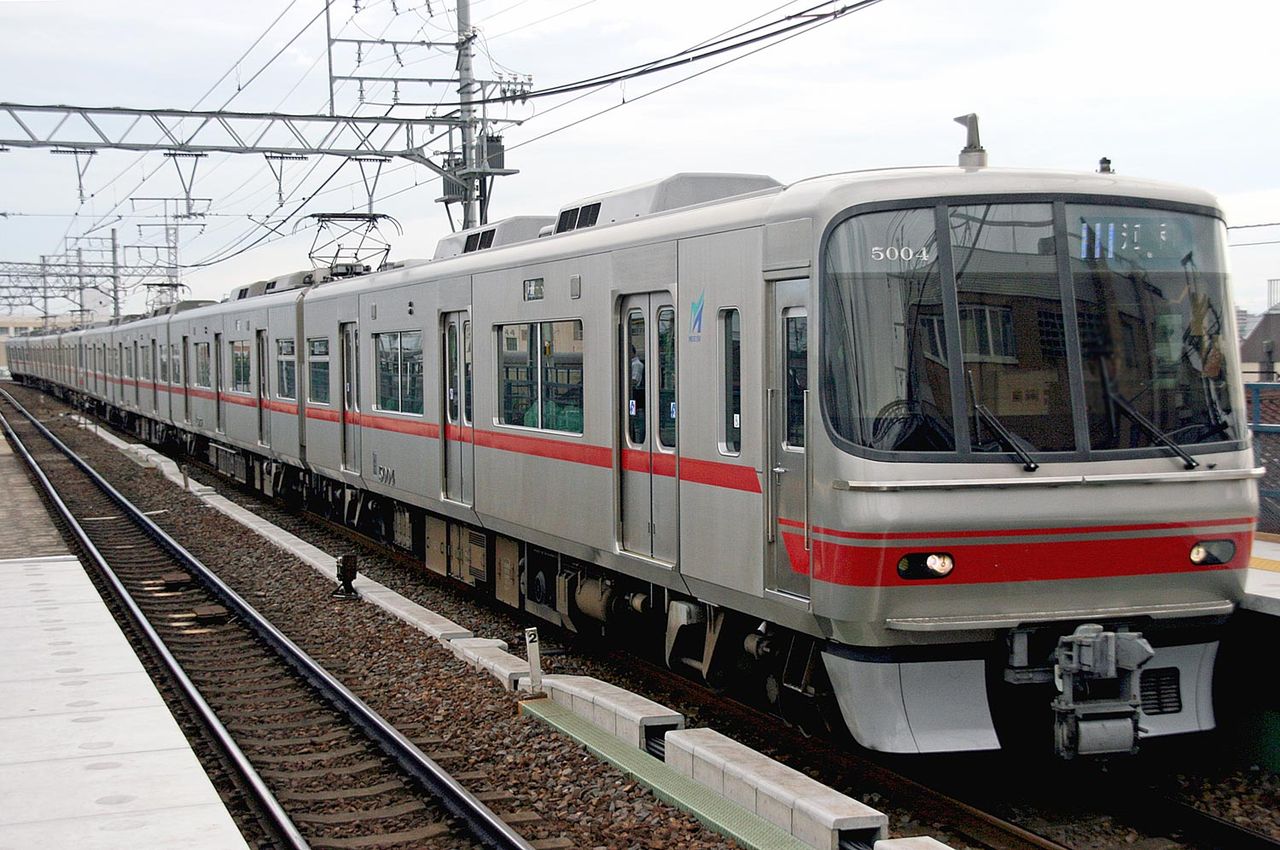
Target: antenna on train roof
x: 973, y: 154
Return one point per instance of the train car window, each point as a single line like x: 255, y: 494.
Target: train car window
x: 667, y: 377
x: 541, y: 375
x: 286, y: 369
x: 517, y: 368
x: 636, y: 376
x: 411, y: 372
x: 451, y: 370
x: 885, y: 375
x: 1154, y: 332
x: 241, y: 367
x: 175, y: 363
x: 796, y: 330
x: 318, y: 370
x: 561, y: 385
x: 203, y: 378
x: 144, y: 365
x: 731, y: 401
x: 128, y: 362
x: 1006, y: 270
x: 399, y: 367
x: 466, y: 372
x: 387, y: 354
x: 162, y: 364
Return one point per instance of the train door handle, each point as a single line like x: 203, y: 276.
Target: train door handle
x: 778, y: 470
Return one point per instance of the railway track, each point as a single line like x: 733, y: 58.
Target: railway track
x: 323, y: 769
x: 956, y: 810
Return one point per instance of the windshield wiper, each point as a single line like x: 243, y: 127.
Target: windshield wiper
x: 1151, y: 429
x: 1003, y: 434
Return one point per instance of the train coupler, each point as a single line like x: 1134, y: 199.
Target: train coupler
x: 1097, y: 674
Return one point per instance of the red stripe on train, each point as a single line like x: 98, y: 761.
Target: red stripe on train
x: 583, y: 453
x: 863, y: 566
x: 1013, y: 532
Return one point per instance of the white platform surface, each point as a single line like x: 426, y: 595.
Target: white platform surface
x: 90, y: 757
x: 1262, y: 586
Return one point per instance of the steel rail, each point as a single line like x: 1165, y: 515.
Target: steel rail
x: 281, y: 821
x: 480, y: 820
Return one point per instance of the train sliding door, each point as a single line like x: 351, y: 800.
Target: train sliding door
x: 787, y: 568
x: 649, y: 498
x: 456, y: 431
x: 219, y: 401
x: 349, y: 340
x: 264, y: 393
x: 155, y: 379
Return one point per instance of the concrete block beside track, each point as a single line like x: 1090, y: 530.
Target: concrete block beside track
x: 627, y: 716
x: 916, y: 842
x: 466, y: 648
x: 817, y: 815
x: 503, y: 666
x: 440, y: 628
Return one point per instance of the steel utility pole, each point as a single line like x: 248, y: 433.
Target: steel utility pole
x: 44, y: 291
x: 466, y: 93
x: 115, y: 275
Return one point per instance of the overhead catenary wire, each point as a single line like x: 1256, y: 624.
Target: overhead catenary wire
x: 232, y: 248
x: 765, y: 35
x: 593, y: 115
x: 137, y: 161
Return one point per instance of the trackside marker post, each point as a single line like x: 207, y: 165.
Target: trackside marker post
x: 535, y: 662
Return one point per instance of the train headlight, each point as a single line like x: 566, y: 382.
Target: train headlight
x: 925, y: 565
x: 1210, y: 552
x: 939, y: 565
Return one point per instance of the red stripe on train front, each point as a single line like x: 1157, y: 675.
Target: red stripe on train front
x: 869, y: 566
x: 1014, y: 532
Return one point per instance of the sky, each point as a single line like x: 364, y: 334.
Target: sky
x: 1183, y: 92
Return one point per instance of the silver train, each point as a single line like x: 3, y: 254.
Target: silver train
x: 943, y: 452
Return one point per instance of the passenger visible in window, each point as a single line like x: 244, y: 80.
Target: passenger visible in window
x: 635, y: 410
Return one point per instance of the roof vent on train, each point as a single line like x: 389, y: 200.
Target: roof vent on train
x: 191, y: 304
x: 508, y: 231
x: 283, y: 283
x: 669, y: 193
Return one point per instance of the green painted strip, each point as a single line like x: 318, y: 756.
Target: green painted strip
x: 716, y: 812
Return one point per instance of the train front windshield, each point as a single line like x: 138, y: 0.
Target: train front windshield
x: 982, y: 330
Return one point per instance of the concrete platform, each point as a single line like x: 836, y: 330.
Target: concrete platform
x: 1262, y: 587
x: 90, y: 756
x: 25, y: 528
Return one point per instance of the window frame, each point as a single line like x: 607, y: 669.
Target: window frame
x: 400, y: 378
x: 286, y: 358
x: 939, y: 207
x: 729, y: 377
x: 314, y: 359
x: 537, y: 365
x: 201, y: 352
x: 241, y: 360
